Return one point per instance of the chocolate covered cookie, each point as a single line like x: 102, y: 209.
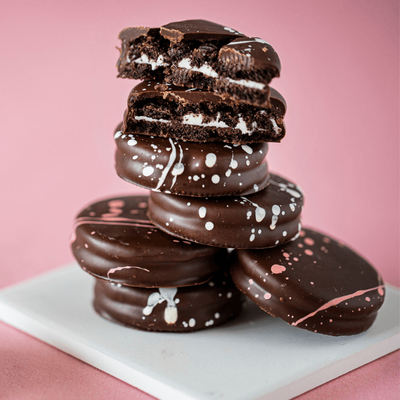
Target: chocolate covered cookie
x: 263, y: 219
x: 191, y: 168
x: 201, y: 54
x: 201, y: 116
x: 169, y: 309
x: 115, y: 241
x: 314, y: 283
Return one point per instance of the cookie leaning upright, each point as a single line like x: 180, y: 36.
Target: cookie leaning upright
x: 314, y: 283
x: 201, y: 54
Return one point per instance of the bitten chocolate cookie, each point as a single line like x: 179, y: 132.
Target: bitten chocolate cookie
x: 314, y: 283
x: 191, y: 168
x: 115, y: 241
x: 200, y: 116
x: 169, y: 309
x: 201, y: 54
x: 263, y: 219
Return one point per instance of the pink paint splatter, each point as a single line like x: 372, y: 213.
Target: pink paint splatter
x: 367, y: 299
x: 308, y: 252
x: 300, y: 245
x: 309, y: 241
x: 116, y: 203
x: 267, y: 296
x: 277, y: 269
x: 286, y: 255
x: 335, y: 302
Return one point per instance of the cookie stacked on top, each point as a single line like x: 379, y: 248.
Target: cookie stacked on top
x: 196, y: 133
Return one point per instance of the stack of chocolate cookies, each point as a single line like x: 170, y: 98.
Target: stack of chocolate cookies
x: 196, y: 133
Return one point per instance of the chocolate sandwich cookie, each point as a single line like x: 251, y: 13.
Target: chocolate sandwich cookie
x: 169, y: 309
x: 314, y: 283
x: 263, y: 219
x: 115, y: 241
x: 191, y: 168
x: 201, y: 54
x: 201, y: 116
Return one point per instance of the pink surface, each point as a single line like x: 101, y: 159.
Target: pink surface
x: 60, y: 101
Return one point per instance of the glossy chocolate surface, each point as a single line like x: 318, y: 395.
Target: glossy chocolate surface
x: 136, y: 32
x: 314, y: 283
x: 170, y: 309
x: 249, y: 52
x: 115, y: 241
x: 264, y: 219
x: 197, y: 29
x: 190, y: 168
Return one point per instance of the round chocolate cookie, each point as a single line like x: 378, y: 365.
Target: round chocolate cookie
x: 114, y: 240
x: 314, y: 283
x: 169, y: 309
x: 263, y: 219
x: 191, y: 168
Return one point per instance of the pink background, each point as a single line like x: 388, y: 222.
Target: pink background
x: 60, y: 101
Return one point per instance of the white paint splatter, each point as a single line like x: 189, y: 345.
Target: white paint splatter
x: 211, y: 159
x: 209, y: 226
x: 202, y: 212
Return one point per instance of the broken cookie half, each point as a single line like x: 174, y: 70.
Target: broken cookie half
x: 196, y: 115
x: 201, y: 54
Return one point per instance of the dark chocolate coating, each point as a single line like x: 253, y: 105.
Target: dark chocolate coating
x: 314, y: 283
x: 248, y: 52
x: 170, y: 309
x: 136, y: 32
x: 264, y: 219
x: 201, y: 54
x: 197, y: 29
x: 115, y: 241
x: 198, y: 116
x: 190, y: 168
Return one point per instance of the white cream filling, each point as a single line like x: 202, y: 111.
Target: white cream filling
x: 143, y: 118
x: 144, y: 59
x: 249, y: 84
x: 206, y: 69
x: 275, y: 126
x: 197, y: 120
